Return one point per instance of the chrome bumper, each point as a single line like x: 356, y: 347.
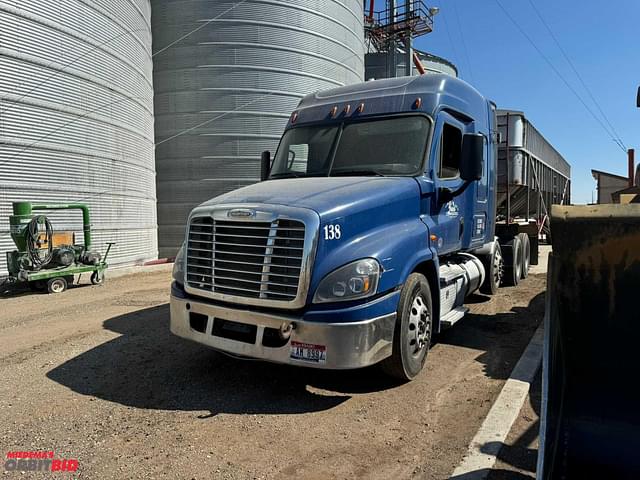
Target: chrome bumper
x: 346, y: 345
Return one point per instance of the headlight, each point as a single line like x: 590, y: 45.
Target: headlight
x: 178, y: 266
x: 354, y: 280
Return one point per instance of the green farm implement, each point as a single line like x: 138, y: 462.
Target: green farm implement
x: 46, y: 259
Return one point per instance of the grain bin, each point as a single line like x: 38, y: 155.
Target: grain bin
x: 76, y: 117
x: 376, y: 64
x: 224, y: 92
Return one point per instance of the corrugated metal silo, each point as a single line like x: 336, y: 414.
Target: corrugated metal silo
x: 376, y: 64
x: 76, y: 118
x: 231, y: 86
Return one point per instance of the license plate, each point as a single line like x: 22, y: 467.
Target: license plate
x: 308, y: 352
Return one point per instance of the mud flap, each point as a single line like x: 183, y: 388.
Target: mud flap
x: 591, y: 400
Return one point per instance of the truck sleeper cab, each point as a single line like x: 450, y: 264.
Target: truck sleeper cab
x: 374, y: 221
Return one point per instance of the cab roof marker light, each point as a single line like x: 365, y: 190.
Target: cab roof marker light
x: 417, y: 103
x: 294, y: 117
x: 347, y: 109
x: 360, y: 108
x: 333, y: 111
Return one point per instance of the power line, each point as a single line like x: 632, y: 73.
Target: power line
x: 453, y: 45
x: 571, y: 64
x: 564, y: 80
x: 64, y: 67
x: 217, y: 117
x: 464, y: 43
x: 178, y: 40
x: 66, y: 124
x: 101, y: 44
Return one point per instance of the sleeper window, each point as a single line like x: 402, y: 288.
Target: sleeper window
x: 450, y: 150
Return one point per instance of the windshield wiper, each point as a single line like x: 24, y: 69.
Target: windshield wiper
x: 340, y: 173
x: 284, y: 175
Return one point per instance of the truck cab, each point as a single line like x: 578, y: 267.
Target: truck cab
x: 373, y: 222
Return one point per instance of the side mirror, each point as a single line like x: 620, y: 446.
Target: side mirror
x: 638, y: 98
x: 471, y: 157
x: 265, y: 165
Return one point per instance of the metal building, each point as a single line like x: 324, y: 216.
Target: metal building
x: 76, y: 118
x: 225, y: 91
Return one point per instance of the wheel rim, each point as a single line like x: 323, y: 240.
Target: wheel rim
x: 57, y: 286
x: 518, y: 261
x: 498, y: 266
x: 419, y: 326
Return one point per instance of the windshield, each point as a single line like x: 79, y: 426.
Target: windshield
x: 391, y: 146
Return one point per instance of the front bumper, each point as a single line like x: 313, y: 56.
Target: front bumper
x: 346, y: 344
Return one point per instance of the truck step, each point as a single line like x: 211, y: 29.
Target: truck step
x: 452, y: 317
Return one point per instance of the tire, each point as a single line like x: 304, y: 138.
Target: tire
x: 56, y: 285
x: 526, y: 255
x: 414, y: 326
x: 513, y: 261
x: 494, y: 266
x: 97, y: 278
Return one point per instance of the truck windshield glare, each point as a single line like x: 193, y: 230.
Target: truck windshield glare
x: 392, y: 146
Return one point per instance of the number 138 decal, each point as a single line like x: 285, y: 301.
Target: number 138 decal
x: 332, y: 232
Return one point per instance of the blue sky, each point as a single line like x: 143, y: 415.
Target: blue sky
x: 603, y: 43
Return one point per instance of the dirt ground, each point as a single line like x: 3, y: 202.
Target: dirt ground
x: 94, y: 374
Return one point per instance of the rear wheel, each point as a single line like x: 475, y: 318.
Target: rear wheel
x: 412, y: 335
x: 56, y: 285
x: 513, y: 261
x: 494, y: 265
x: 526, y: 255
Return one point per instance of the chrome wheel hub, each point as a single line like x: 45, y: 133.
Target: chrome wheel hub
x: 419, y: 326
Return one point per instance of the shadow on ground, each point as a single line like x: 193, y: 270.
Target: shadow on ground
x: 148, y: 367
x: 519, y: 454
x: 517, y: 460
x: 21, y: 289
x: 502, y: 337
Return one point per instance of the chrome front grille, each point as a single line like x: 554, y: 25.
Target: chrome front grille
x: 250, y: 259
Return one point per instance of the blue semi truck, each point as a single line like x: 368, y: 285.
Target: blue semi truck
x: 375, y: 219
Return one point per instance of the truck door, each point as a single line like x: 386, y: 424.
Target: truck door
x: 475, y: 234
x: 449, y: 214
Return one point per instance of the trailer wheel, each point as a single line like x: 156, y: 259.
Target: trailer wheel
x: 526, y: 254
x: 494, y: 266
x: 513, y: 261
x: 56, y: 285
x: 97, y: 278
x: 412, y: 335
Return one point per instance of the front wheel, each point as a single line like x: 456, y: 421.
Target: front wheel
x: 97, y: 277
x: 412, y: 335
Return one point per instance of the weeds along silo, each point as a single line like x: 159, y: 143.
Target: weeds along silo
x: 76, y: 118
x: 224, y: 92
